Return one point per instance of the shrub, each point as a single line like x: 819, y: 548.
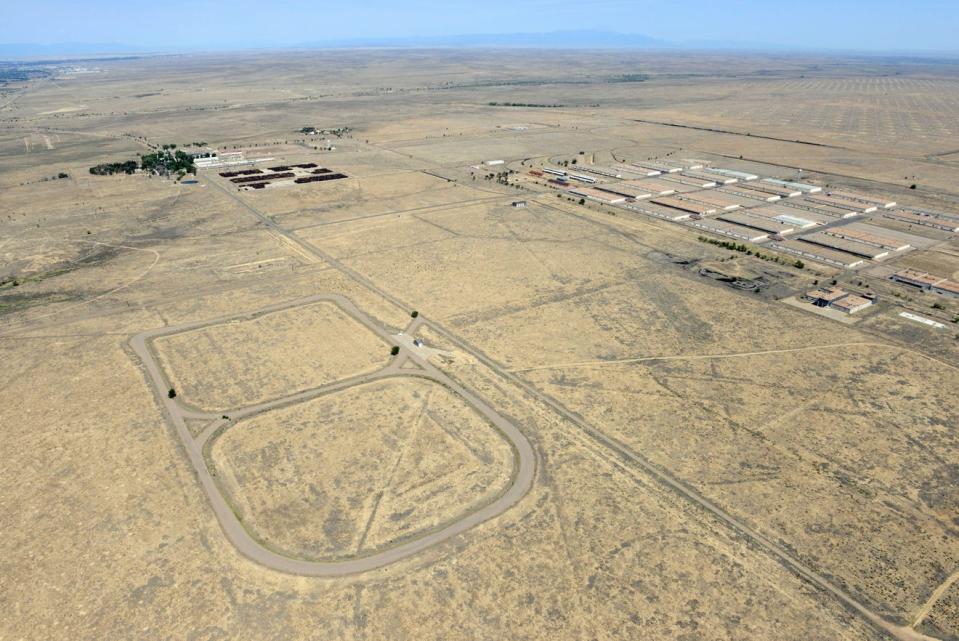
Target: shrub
x: 394, y: 351
x: 171, y: 393
x: 414, y: 314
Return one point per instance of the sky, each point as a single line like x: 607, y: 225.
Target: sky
x: 876, y: 25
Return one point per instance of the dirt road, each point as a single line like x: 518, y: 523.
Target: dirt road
x: 520, y: 482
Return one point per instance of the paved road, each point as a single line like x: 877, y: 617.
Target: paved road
x: 520, y: 482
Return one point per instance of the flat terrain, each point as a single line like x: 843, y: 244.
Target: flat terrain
x: 359, y: 470
x: 612, y: 429
x: 246, y: 362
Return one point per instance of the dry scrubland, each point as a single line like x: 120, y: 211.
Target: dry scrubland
x: 242, y: 363
x: 592, y: 333
x: 361, y: 469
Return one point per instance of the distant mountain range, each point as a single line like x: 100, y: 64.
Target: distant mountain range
x: 551, y: 40
x: 582, y: 39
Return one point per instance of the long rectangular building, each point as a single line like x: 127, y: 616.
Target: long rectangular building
x: 707, y: 180
x: 819, y: 253
x: 682, y: 204
x: 802, y: 187
x: 693, y: 183
x: 732, y: 173
x: 841, y: 203
x: 859, y: 199
x: 713, y: 198
x: 798, y: 217
x: 632, y: 170
x: 768, y: 225
x: 661, y: 167
x: 731, y: 230
x: 598, y: 195
x: 849, y: 246
x: 927, y: 282
x: 652, y: 209
x: 769, y: 188
x: 803, y: 204
x: 750, y: 196
x: 926, y: 220
x: 876, y: 240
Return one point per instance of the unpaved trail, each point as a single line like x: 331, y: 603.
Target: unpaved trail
x: 521, y: 479
x: 934, y: 598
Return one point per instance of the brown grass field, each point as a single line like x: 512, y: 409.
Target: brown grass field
x: 709, y: 462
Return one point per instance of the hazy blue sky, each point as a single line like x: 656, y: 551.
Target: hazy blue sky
x: 168, y: 24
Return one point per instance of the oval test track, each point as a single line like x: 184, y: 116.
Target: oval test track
x: 520, y: 482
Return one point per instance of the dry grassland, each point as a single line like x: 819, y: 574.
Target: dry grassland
x: 360, y: 470
x: 702, y: 454
x: 245, y: 362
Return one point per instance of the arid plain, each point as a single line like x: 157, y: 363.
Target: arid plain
x: 217, y: 424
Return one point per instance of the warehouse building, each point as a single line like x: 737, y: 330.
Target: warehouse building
x: 729, y: 229
x: 851, y: 304
x: 863, y: 200
x: 927, y: 282
x: 825, y: 296
x: 848, y: 246
x: 633, y: 170
x: 658, y: 211
x: 661, y: 167
x: 946, y: 288
x: 589, y: 180
x: 768, y: 225
x: 732, y: 173
x: 598, y: 195
x: 796, y: 222
x: 876, y: 240
x: 820, y: 208
x: 626, y: 190
x: 801, y: 187
x: 693, y: 184
x: 707, y: 180
x: 916, y: 278
x: 801, y: 219
x: 688, y: 206
x: 604, y: 171
x: 841, y: 203
x: 658, y: 186
x: 926, y: 220
x: 750, y: 195
x: 819, y: 253
x: 712, y: 198
x: 764, y: 187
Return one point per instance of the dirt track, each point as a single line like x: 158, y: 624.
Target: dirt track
x: 520, y: 482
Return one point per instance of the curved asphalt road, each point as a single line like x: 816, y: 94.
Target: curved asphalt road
x: 520, y: 482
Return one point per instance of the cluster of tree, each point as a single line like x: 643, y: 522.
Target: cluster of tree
x: 749, y: 251
x: 524, y: 104
x: 110, y: 168
x: 59, y: 176
x: 165, y: 162
x: 339, y: 132
x: 168, y: 161
x: 501, y: 177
